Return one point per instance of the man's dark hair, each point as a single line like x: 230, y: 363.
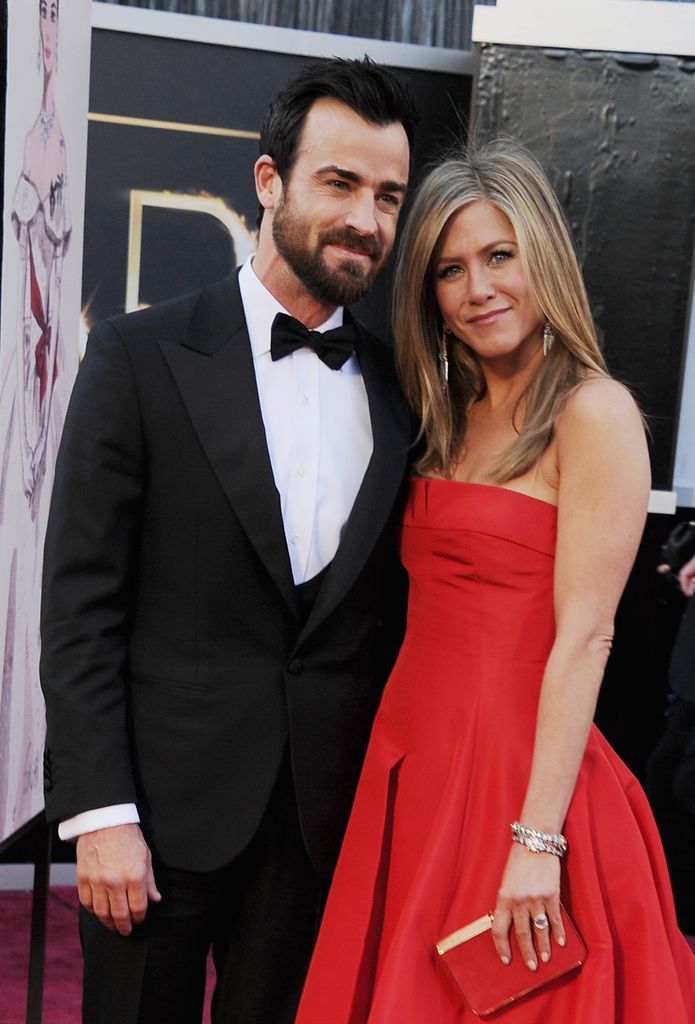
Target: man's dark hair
x: 369, y: 89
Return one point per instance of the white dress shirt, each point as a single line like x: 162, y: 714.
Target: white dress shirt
x: 319, y: 438
x: 317, y: 429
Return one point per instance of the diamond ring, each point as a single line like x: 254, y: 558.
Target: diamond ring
x: 540, y: 922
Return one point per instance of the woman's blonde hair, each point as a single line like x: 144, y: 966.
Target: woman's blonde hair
x: 506, y: 175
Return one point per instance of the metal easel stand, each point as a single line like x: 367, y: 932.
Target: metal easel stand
x: 39, y: 908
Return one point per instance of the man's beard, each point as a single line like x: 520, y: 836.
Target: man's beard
x: 341, y: 286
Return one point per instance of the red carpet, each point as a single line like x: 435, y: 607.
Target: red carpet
x: 62, y: 993
x: 63, y: 977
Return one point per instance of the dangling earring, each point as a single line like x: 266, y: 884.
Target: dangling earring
x: 444, y: 360
x: 548, y: 337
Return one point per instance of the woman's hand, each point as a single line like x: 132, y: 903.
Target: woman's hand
x: 530, y: 889
x: 686, y: 577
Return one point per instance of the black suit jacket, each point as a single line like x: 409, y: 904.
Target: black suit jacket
x: 174, y: 665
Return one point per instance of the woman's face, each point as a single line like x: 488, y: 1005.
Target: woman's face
x: 48, y: 15
x: 481, y: 286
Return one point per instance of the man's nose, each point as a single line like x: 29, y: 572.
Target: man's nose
x: 362, y: 214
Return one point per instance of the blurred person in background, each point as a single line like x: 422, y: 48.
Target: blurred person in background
x: 670, y: 770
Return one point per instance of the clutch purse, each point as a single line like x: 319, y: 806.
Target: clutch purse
x: 486, y: 983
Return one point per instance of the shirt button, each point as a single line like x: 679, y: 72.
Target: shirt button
x: 301, y: 471
x: 305, y: 399
x: 294, y: 539
x: 295, y: 667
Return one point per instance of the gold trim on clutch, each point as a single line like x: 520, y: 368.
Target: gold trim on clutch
x: 469, y: 931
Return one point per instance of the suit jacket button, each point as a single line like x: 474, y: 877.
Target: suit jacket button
x: 295, y: 667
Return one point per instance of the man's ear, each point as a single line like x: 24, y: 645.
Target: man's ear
x: 268, y: 182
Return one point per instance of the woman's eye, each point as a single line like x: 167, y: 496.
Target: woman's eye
x: 500, y: 255
x: 452, y: 270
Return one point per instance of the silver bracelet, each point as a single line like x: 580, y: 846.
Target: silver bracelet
x: 539, y: 842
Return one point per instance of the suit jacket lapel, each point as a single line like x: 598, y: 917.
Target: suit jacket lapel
x: 213, y: 369
x: 382, y: 480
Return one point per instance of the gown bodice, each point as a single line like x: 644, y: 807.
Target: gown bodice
x: 480, y: 561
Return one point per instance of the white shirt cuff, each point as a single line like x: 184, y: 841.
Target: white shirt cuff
x: 101, y: 817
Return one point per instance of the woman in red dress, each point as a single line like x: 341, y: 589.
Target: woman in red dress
x: 519, y: 533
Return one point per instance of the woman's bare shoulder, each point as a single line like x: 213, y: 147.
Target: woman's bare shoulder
x: 599, y: 401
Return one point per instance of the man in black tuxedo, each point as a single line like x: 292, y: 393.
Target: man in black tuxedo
x: 219, y: 577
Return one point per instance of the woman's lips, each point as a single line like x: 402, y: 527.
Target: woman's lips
x: 485, y: 318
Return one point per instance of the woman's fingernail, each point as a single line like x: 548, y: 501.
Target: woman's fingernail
x: 532, y: 965
x: 561, y: 940
x: 545, y: 957
x: 505, y: 960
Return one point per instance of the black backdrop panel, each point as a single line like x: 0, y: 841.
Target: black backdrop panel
x: 617, y: 135
x: 197, y: 84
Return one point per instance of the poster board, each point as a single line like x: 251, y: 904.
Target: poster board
x: 175, y: 111
x: 48, y: 53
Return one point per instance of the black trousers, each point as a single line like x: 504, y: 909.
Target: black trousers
x: 259, y: 914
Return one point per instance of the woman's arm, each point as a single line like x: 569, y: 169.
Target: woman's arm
x: 603, y: 492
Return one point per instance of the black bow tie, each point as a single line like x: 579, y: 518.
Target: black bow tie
x: 333, y: 347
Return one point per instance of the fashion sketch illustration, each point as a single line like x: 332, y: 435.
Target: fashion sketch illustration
x: 34, y: 386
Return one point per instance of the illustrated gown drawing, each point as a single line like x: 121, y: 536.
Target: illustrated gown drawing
x: 445, y: 774
x: 35, y: 383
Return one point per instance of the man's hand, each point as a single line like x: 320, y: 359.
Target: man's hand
x: 114, y: 876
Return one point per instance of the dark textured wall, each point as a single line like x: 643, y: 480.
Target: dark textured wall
x: 617, y: 136
x: 428, y: 22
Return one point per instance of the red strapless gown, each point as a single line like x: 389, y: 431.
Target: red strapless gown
x: 445, y: 773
